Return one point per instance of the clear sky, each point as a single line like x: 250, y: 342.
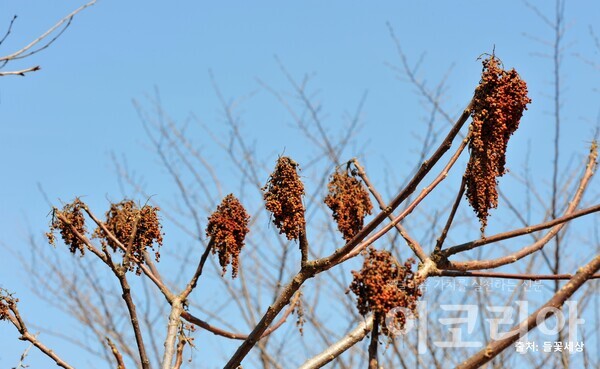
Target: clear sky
x: 59, y: 126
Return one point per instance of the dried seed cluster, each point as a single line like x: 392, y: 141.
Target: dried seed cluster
x: 227, y: 229
x: 132, y: 225
x: 3, y: 309
x: 384, y: 284
x: 7, y: 303
x: 75, y: 223
x: 283, y: 197
x: 498, y: 105
x: 349, y: 201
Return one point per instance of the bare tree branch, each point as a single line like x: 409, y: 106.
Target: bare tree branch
x: 9, y: 311
x: 538, y: 245
x: 20, y: 72
x: 335, y: 350
x: 519, y: 232
x: 544, y: 312
x: 27, y: 51
x: 525, y: 276
x: 116, y: 354
x: 314, y: 267
x: 67, y: 19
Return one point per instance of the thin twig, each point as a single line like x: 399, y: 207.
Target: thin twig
x: 442, y: 238
x: 523, y: 276
x: 20, y: 72
x: 237, y: 336
x: 10, y: 26
x: 411, y: 242
x: 519, y: 232
x: 116, y: 354
x: 67, y: 19
x: 411, y: 74
x: 495, y: 347
x: 192, y: 284
x: 314, y: 112
x: 25, y: 353
x: 121, y: 276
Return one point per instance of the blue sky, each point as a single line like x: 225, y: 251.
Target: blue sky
x: 59, y: 126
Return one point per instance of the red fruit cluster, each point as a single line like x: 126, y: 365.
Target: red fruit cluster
x: 75, y: 224
x: 349, y: 201
x: 384, y: 284
x: 283, y: 198
x: 498, y: 105
x: 227, y: 228
x: 135, y: 227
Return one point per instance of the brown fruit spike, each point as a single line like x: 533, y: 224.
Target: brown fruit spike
x: 227, y: 228
x: 7, y: 304
x: 135, y: 226
x: 283, y: 198
x: 498, y: 105
x: 76, y: 224
x: 384, y: 284
x: 349, y: 201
